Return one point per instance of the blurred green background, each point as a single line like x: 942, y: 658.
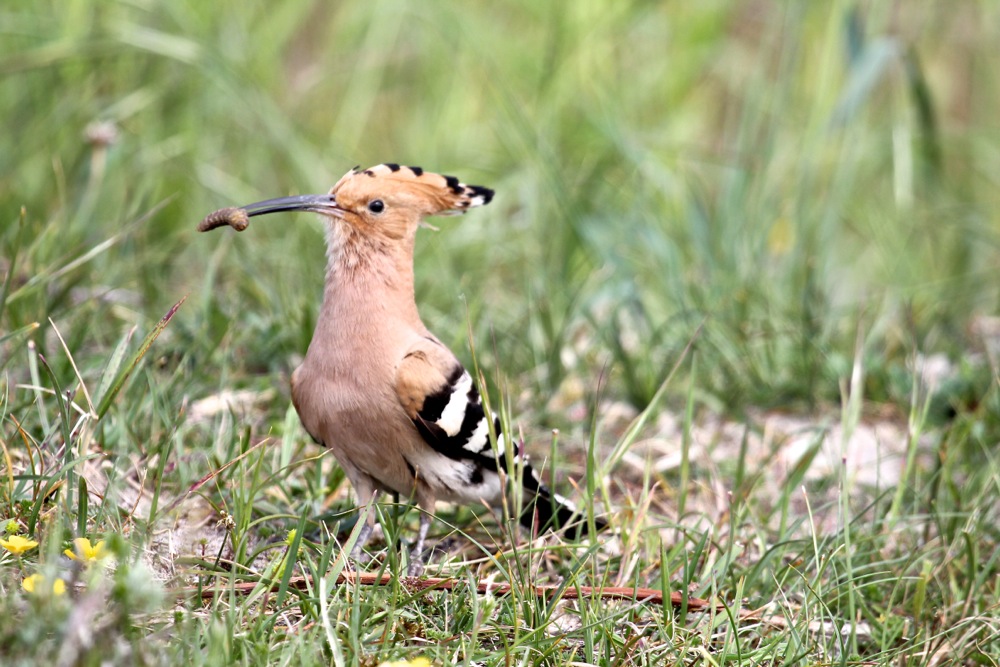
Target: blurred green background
x: 801, y: 180
x: 779, y: 199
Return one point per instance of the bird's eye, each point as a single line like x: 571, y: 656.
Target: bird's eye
x: 376, y: 206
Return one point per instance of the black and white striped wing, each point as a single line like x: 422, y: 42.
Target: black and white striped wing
x: 444, y: 404
x: 441, y: 398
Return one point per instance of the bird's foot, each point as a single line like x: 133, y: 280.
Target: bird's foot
x: 416, y: 568
x: 417, y: 557
x: 358, y: 554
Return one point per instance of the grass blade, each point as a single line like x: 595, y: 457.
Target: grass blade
x: 81, y: 510
x: 12, y: 263
x: 124, y: 374
x: 66, y: 427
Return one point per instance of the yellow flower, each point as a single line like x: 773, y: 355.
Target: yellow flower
x: 86, y: 552
x: 37, y: 583
x: 17, y: 545
x: 419, y: 662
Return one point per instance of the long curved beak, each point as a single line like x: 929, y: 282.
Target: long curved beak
x: 239, y: 218
x: 317, y: 203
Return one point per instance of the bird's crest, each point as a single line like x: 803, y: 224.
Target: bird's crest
x: 432, y: 194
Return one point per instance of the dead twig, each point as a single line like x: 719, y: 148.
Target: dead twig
x: 644, y: 595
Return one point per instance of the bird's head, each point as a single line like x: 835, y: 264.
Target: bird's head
x: 388, y: 201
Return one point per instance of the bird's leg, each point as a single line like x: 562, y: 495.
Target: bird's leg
x: 357, y: 553
x: 417, y: 555
x: 367, y: 515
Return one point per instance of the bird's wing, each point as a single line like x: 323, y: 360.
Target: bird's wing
x: 441, y: 399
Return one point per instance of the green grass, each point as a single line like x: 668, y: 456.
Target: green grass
x: 707, y: 214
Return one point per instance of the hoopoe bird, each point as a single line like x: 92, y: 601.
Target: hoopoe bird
x: 396, y: 407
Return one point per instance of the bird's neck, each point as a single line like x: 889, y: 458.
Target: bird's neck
x: 369, y: 288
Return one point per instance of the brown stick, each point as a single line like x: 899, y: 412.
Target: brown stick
x: 646, y: 595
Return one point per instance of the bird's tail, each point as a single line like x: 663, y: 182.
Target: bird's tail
x: 541, y: 508
x: 545, y: 510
